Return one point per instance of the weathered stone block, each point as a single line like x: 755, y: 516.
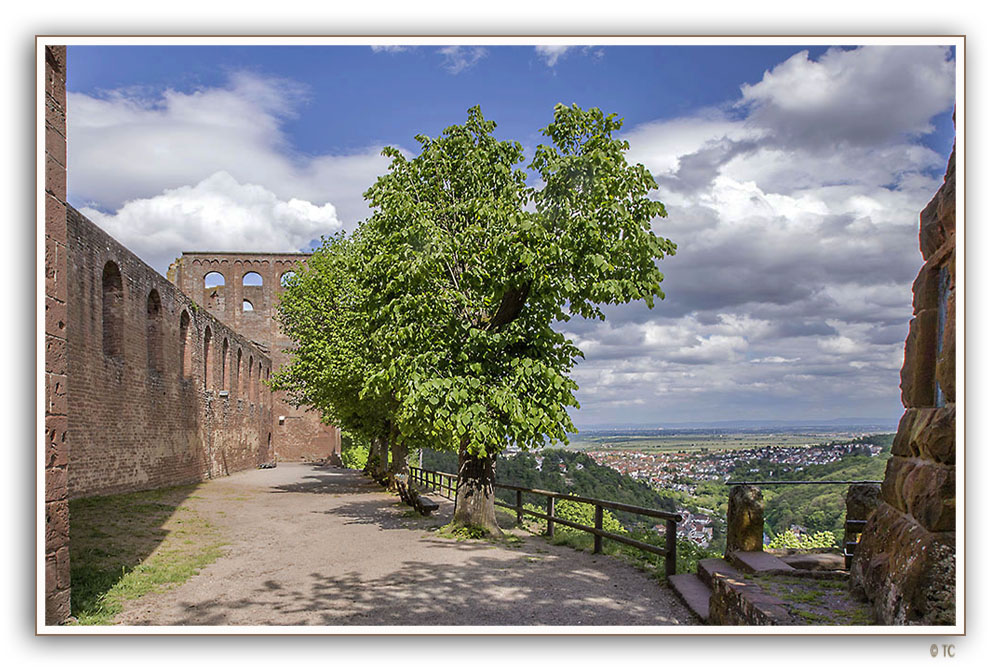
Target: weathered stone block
x: 917, y: 375
x: 56, y: 607
x: 933, y: 434
x: 55, y: 394
x: 896, y: 471
x: 925, y: 288
x: 51, y: 574
x: 57, y: 449
x: 55, y: 270
x: 739, y: 602
x: 55, y: 484
x: 907, y: 572
x: 55, y: 219
x: 55, y: 317
x: 745, y: 519
x: 55, y: 354
x: 55, y: 146
x: 62, y: 568
x: 56, y: 524
x: 929, y: 494
x: 931, y: 233
x: 861, y: 500
x: 55, y: 178
x: 902, y: 444
x: 945, y: 369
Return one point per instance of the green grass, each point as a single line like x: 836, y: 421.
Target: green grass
x: 126, y: 546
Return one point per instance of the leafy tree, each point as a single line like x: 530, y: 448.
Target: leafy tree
x: 322, y: 311
x: 469, y: 268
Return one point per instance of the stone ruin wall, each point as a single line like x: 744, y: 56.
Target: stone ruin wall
x: 905, y: 562
x: 56, y: 446
x: 144, y: 414
x: 299, y: 434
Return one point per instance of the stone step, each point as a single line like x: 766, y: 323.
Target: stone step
x: 759, y: 561
x: 693, y: 592
x: 707, y: 567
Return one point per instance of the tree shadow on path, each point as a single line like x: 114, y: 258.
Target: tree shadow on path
x: 482, y: 590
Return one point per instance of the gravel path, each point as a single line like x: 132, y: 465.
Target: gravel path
x: 311, y: 545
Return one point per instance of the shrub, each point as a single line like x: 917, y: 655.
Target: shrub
x: 789, y: 540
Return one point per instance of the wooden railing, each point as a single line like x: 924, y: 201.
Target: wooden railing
x: 447, y: 485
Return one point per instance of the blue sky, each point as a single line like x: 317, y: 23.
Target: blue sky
x: 792, y: 175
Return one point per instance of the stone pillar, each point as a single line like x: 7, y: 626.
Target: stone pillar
x: 56, y: 418
x: 861, y: 502
x: 745, y: 519
x: 905, y: 562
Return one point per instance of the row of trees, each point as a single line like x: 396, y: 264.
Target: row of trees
x: 432, y: 324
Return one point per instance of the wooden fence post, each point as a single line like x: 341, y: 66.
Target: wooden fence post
x: 520, y: 508
x: 599, y: 525
x: 550, y: 511
x: 671, y: 559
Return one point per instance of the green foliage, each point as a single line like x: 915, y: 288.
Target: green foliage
x: 789, y: 540
x: 434, y: 319
x: 819, y: 508
x: 583, y: 513
x: 355, y: 457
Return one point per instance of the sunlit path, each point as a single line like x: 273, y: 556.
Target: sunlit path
x: 325, y: 546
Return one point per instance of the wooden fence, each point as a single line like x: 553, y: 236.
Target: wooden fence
x: 447, y: 485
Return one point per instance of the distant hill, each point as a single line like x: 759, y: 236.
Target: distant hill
x: 564, y: 471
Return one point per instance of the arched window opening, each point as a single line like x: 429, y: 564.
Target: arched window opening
x: 252, y: 279
x: 154, y: 332
x: 260, y: 378
x: 250, y: 385
x: 112, y: 311
x: 209, y: 381
x: 225, y: 364
x: 214, y: 279
x: 247, y: 306
x: 215, y: 292
x: 286, y: 278
x: 237, y: 385
x: 185, y: 345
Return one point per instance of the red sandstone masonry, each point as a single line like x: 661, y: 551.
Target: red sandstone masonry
x: 56, y: 456
x: 905, y: 562
x: 134, y: 426
x: 298, y: 433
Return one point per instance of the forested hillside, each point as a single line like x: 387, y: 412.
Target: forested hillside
x: 564, y: 471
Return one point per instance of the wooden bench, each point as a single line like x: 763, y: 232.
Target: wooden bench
x: 424, y: 505
x: 410, y: 497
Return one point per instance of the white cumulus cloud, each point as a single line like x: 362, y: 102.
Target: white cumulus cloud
x: 217, y: 213
x: 129, y: 144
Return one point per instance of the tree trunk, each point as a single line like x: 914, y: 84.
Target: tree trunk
x: 383, y: 460
x: 398, y: 466
x: 371, y: 465
x: 474, y: 507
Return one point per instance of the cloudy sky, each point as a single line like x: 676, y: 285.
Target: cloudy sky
x: 793, y: 177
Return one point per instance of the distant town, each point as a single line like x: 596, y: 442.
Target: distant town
x: 682, y: 470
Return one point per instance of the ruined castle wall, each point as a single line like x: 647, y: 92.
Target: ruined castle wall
x: 56, y: 446
x: 160, y: 392
x: 905, y: 561
x: 298, y: 432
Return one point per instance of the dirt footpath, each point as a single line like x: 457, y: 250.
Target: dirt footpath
x: 325, y: 546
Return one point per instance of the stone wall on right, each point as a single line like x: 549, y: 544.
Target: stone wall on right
x: 905, y: 561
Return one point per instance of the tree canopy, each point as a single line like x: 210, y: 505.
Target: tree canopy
x: 444, y: 301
